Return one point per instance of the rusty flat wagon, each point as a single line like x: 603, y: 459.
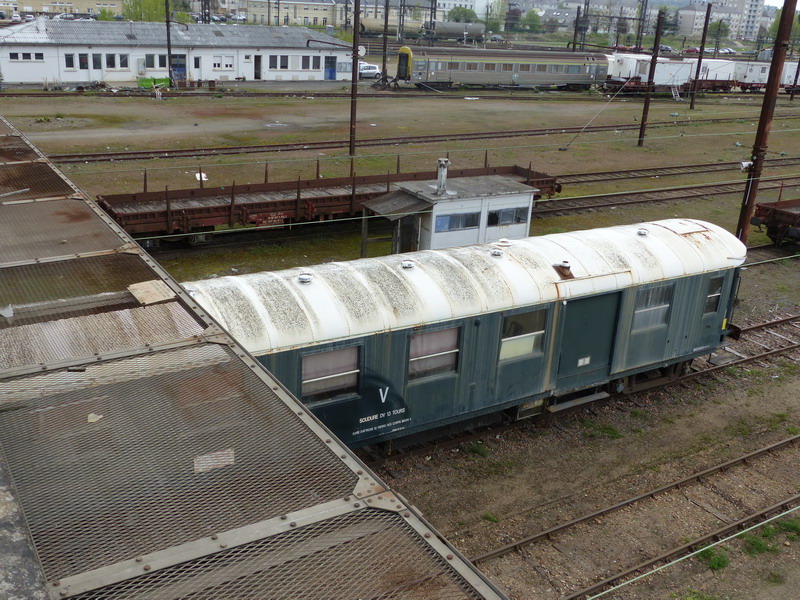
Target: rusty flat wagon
x: 781, y: 219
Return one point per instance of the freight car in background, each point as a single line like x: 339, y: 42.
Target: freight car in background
x: 467, y: 33
x: 387, y: 347
x: 440, y: 68
x: 781, y: 220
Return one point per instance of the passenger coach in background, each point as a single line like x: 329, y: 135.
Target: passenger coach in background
x: 386, y: 347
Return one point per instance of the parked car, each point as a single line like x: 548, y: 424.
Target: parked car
x: 29, y: 18
x: 368, y: 71
x: 691, y: 50
x: 239, y: 18
x: 16, y: 18
x: 66, y: 16
x: 497, y: 38
x: 727, y: 51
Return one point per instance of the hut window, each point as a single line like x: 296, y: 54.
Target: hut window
x: 457, y: 222
x: 507, y: 216
x: 329, y: 374
x: 433, y: 353
x: 69, y: 61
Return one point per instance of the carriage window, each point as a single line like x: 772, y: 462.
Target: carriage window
x: 714, y: 293
x: 507, y: 216
x: 523, y: 334
x: 541, y: 68
x: 453, y: 66
x: 329, y: 374
x: 573, y: 69
x: 433, y: 353
x: 457, y: 222
x: 652, y: 307
x: 472, y: 66
x: 556, y: 68
x: 488, y: 66
x: 524, y: 68
x: 507, y: 67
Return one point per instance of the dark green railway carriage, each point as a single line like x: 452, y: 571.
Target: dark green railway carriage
x: 382, y: 348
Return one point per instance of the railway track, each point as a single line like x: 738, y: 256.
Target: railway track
x: 336, y: 144
x: 563, y: 206
x: 599, y: 550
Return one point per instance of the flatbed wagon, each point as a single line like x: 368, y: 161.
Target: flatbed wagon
x: 781, y: 219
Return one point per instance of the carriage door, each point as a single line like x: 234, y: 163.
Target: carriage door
x: 588, y: 326
x: 330, y: 68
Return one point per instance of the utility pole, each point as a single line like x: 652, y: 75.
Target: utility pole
x: 700, y: 55
x: 651, y: 76
x: 355, y: 74
x: 765, y: 122
x: 575, y: 33
x: 169, y: 45
x: 384, y: 73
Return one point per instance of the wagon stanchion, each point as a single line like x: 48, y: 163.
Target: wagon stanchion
x: 145, y: 181
x: 398, y: 163
x: 353, y: 195
x: 298, y: 205
x: 200, y: 175
x: 317, y: 175
x: 485, y: 159
x: 233, y: 205
x: 352, y: 166
x: 168, y: 212
x: 266, y: 172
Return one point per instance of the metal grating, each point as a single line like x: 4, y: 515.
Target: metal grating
x: 88, y: 335
x: 364, y: 554
x: 15, y: 149
x: 31, y: 180
x: 54, y: 228
x: 69, y: 288
x: 105, y: 461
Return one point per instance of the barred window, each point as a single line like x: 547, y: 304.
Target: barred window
x: 714, y: 294
x: 329, y: 374
x: 433, y: 353
x: 652, y: 307
x: 523, y: 334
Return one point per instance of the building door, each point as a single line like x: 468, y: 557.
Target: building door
x: 257, y: 67
x: 330, y: 68
x: 179, y: 66
x: 588, y: 328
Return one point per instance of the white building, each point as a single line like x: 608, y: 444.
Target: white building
x: 80, y: 52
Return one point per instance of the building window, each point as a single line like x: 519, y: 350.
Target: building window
x: 39, y: 56
x: 305, y: 21
x: 247, y: 58
x: 324, y: 20
x: 15, y: 56
x: 196, y: 62
x: 97, y: 62
x: 457, y: 222
x: 216, y: 63
x: 652, y: 307
x: 83, y: 61
x: 273, y: 62
x: 284, y: 61
x: 507, y: 216
x: 316, y: 63
x: 433, y: 353
x: 69, y: 61
x: 162, y: 61
x: 228, y: 62
x: 111, y: 61
x: 150, y: 61
x: 316, y: 19
x: 523, y: 334
x: 329, y: 374
x: 713, y: 296
x: 123, y: 61
x: 26, y: 56
x: 305, y: 62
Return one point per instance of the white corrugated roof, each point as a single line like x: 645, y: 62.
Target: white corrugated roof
x: 272, y: 311
x: 129, y: 33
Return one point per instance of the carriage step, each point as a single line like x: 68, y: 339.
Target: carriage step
x: 553, y: 408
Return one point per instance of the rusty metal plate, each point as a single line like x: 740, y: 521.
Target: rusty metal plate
x: 54, y: 228
x: 105, y: 460
x: 365, y: 554
x: 31, y: 180
x: 14, y: 149
x: 69, y: 288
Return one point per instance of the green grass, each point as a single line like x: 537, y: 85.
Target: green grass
x: 479, y: 449
x: 490, y: 517
x: 695, y: 595
x: 714, y: 558
x: 592, y: 429
x: 756, y: 544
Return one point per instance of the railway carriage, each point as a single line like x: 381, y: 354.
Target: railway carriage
x: 490, y: 68
x: 386, y: 347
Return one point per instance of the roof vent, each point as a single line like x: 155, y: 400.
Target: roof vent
x: 219, y: 33
x: 496, y: 252
x: 504, y: 242
x: 441, y: 184
x: 407, y: 264
x: 305, y: 277
x: 642, y: 232
x: 564, y: 270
